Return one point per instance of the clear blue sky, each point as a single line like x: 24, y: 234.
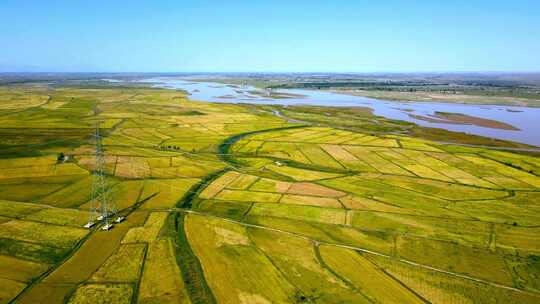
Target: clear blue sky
x: 273, y: 35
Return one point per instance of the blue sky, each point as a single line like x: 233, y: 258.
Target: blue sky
x: 272, y: 36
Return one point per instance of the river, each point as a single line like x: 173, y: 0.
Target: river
x: 525, y: 119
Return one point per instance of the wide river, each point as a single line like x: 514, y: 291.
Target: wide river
x: 526, y: 119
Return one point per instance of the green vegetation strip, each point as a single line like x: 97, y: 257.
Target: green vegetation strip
x: 192, y: 273
x: 224, y: 147
x: 187, y: 201
x: 189, y: 264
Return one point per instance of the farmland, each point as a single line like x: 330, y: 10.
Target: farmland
x: 230, y: 203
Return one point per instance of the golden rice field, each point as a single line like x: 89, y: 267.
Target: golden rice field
x: 231, y: 204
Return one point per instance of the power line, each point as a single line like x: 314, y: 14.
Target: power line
x: 102, y: 208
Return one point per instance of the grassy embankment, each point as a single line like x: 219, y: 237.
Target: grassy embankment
x: 157, y: 145
x: 425, y: 209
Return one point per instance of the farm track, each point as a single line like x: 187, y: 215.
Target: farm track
x: 44, y: 275
x: 189, y: 264
x: 229, y: 158
x: 359, y: 249
x: 184, y: 207
x: 225, y: 155
x: 71, y: 253
x: 208, y: 295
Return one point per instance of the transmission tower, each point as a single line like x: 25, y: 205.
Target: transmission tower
x: 102, y: 208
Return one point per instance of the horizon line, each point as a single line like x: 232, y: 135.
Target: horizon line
x: 282, y: 72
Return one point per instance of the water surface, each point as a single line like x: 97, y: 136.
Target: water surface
x: 525, y: 119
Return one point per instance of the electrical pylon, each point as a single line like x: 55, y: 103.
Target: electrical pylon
x: 102, y: 208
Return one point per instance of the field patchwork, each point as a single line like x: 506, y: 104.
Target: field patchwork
x: 232, y: 203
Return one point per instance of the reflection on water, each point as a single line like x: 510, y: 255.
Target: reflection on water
x: 523, y: 118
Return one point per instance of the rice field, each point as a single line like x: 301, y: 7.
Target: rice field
x: 123, y: 266
x: 149, y: 231
x: 102, y: 293
x: 161, y: 281
x: 41, y: 233
x: 414, y: 195
x: 229, y: 203
x: 360, y: 272
x: 233, y: 266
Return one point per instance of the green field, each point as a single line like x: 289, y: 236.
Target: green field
x: 229, y: 203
